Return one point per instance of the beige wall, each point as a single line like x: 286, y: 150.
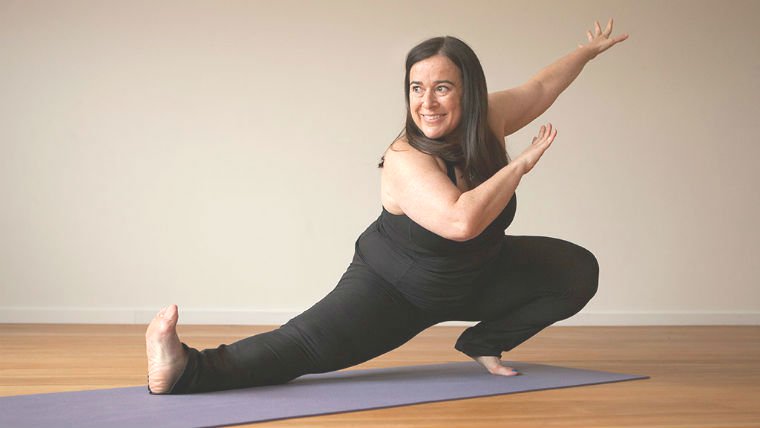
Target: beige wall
x: 221, y: 155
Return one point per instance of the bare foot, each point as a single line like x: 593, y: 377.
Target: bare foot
x: 493, y: 365
x: 166, y: 357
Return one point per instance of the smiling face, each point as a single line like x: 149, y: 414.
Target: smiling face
x: 435, y: 92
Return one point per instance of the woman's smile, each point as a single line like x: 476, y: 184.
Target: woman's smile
x: 432, y: 118
x: 434, y: 96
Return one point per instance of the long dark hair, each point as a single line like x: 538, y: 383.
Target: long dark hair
x: 475, y: 146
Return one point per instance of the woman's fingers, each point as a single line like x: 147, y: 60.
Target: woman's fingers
x: 598, y: 30
x: 619, y: 38
x: 545, y: 134
x: 532, y: 154
x: 600, y: 40
x: 608, y: 30
x: 550, y: 137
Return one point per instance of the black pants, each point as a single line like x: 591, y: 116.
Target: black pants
x: 536, y: 282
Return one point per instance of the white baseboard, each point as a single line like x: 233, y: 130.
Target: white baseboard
x: 37, y: 315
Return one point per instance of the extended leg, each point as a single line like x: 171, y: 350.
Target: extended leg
x: 363, y: 317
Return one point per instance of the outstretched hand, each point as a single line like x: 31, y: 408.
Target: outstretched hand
x: 600, y: 41
x: 533, y: 153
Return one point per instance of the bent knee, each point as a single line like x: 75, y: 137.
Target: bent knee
x: 585, y: 274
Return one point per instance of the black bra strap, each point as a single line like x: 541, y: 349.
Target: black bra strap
x: 451, y: 172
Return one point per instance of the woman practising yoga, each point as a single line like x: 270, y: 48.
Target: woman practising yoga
x: 437, y: 251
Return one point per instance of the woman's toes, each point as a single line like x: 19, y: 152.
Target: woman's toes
x: 171, y: 313
x: 504, y: 371
x: 494, y: 366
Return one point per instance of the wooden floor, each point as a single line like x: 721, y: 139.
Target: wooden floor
x: 700, y: 376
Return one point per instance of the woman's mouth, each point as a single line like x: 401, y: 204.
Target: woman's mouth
x: 432, y: 118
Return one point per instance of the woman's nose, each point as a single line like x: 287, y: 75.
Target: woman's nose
x: 429, y: 99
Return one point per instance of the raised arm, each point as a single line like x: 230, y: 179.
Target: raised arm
x: 514, y: 108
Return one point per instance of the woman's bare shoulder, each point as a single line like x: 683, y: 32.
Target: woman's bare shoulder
x: 401, y: 144
x: 403, y: 164
x: 401, y: 148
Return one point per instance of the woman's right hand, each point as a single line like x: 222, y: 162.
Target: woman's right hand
x: 532, y: 154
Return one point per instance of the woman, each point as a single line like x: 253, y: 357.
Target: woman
x: 438, y: 250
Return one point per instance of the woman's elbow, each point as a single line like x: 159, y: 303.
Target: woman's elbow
x: 462, y: 230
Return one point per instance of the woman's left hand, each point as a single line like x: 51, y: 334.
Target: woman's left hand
x: 600, y: 41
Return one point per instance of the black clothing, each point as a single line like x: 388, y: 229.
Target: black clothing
x: 402, y: 280
x: 432, y: 272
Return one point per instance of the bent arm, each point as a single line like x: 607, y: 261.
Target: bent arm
x: 484, y: 203
x: 424, y: 193
x: 427, y: 196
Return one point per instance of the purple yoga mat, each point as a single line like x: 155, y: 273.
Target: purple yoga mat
x: 314, y: 394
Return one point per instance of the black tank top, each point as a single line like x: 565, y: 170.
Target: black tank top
x: 431, y: 271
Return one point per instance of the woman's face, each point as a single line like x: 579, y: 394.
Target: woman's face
x: 435, y: 91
